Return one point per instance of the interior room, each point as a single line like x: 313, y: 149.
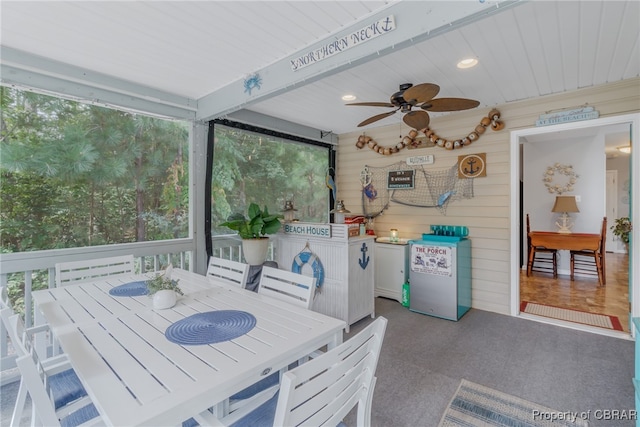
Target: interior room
x: 401, y: 171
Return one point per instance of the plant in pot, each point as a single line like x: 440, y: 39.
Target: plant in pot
x: 163, y: 289
x: 622, y: 228
x: 253, y: 231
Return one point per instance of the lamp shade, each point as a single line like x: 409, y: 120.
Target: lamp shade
x: 565, y: 204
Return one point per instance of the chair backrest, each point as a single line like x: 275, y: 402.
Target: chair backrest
x: 603, y: 235
x: 324, y: 390
x: 228, y: 271
x: 42, y: 405
x: 15, y: 328
x: 75, y: 413
x: 70, y: 273
x: 288, y: 286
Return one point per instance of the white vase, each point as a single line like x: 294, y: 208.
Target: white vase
x: 165, y: 298
x: 255, y: 250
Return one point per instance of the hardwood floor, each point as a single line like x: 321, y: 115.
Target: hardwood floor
x: 584, y: 293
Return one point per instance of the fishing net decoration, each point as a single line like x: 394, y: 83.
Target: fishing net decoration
x: 434, y: 188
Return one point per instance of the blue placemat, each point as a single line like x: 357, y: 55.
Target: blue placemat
x: 132, y: 289
x: 210, y: 327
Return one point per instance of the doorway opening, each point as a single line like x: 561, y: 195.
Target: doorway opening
x: 532, y: 152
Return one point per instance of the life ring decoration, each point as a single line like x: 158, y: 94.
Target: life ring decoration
x: 308, y: 257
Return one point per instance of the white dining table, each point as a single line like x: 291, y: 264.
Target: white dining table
x: 136, y: 376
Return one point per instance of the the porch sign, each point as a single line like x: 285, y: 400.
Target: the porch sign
x: 434, y: 260
x: 337, y: 46
x: 302, y: 229
x: 573, y: 115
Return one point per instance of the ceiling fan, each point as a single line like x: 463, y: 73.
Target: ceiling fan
x: 419, y: 96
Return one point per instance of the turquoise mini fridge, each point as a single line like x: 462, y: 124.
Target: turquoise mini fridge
x: 440, y: 274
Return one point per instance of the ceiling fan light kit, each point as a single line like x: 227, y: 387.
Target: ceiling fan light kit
x: 491, y: 120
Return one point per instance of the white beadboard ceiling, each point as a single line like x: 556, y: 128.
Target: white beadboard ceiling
x: 194, y: 49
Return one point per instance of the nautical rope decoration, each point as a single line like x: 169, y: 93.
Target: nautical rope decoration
x: 410, y: 140
x: 559, y: 169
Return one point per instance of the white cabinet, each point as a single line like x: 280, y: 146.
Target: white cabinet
x: 348, y: 265
x: 392, y: 269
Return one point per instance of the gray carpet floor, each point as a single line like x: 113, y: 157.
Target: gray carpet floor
x: 424, y: 358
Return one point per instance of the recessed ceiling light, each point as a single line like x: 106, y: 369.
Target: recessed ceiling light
x: 468, y: 63
x: 349, y: 97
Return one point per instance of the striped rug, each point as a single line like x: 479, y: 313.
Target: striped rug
x: 576, y: 316
x: 474, y: 405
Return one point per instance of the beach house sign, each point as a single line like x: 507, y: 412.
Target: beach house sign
x: 334, y: 47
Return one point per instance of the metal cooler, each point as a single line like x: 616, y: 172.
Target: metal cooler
x: 440, y: 273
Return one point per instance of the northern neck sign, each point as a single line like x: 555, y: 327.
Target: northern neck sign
x: 334, y: 47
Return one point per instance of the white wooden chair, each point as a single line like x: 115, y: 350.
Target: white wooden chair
x: 285, y: 285
x: 322, y: 391
x: 55, y: 389
x: 228, y: 271
x: 69, y: 273
x: 43, y: 407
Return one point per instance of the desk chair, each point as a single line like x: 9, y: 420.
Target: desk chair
x: 232, y: 272
x: 70, y: 273
x: 544, y: 260
x: 592, y: 262
x: 322, y: 391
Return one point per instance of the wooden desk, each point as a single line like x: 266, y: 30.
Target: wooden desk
x: 135, y: 376
x: 570, y: 242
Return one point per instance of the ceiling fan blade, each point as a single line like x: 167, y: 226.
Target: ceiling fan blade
x: 421, y: 93
x: 373, y: 104
x: 376, y: 118
x: 417, y: 119
x: 449, y: 104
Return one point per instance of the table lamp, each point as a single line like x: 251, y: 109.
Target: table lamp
x: 565, y: 204
x: 394, y: 235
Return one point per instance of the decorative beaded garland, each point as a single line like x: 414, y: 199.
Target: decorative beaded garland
x: 410, y: 139
x: 560, y: 169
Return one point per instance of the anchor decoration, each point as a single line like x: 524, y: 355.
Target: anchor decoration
x: 472, y: 165
x: 365, y: 258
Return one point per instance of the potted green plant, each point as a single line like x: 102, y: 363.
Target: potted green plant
x: 163, y: 289
x: 253, y: 230
x: 622, y: 228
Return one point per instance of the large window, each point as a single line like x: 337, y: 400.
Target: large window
x: 254, y: 165
x: 75, y: 175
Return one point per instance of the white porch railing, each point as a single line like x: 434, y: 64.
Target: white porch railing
x: 38, y: 268
x: 229, y: 246
x: 29, y: 267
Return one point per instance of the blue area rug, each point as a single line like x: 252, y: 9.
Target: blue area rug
x: 474, y: 405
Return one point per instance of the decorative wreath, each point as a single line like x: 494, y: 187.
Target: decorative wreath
x: 566, y: 170
x: 492, y: 121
